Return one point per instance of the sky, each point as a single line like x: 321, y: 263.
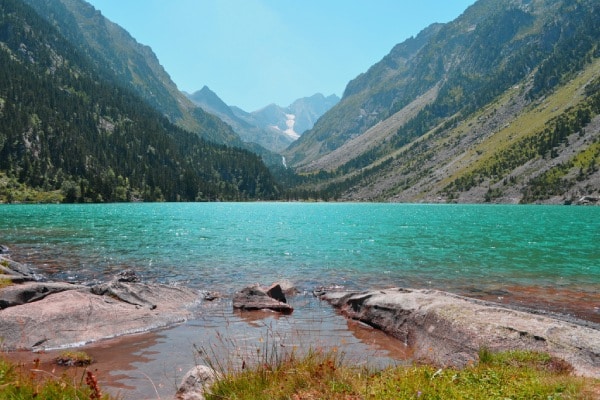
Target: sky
x: 253, y: 53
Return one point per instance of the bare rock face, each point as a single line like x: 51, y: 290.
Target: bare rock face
x: 195, y: 383
x: 449, y: 330
x: 126, y: 287
x: 38, y: 315
x: 254, y: 298
x: 75, y: 317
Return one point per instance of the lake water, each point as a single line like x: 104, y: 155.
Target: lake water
x: 545, y: 257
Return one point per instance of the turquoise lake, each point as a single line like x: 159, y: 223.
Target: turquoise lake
x: 542, y: 257
x: 223, y: 246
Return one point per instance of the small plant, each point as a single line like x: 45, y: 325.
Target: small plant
x: 485, y: 355
x: 73, y: 359
x: 92, y: 383
x: 5, y: 282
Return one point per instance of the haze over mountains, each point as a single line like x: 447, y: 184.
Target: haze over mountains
x: 499, y: 105
x: 273, y: 127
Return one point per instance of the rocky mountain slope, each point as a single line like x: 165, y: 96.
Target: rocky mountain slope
x: 499, y: 105
x: 273, y: 127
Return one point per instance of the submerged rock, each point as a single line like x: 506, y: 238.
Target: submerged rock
x: 447, y: 329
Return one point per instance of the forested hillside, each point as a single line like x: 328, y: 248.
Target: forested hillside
x: 499, y: 105
x: 119, y: 58
x: 65, y: 129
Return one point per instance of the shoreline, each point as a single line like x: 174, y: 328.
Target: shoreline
x: 36, y: 314
x: 125, y: 363
x: 148, y: 343
x: 448, y: 329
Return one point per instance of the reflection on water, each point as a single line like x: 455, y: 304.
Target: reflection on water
x: 151, y: 365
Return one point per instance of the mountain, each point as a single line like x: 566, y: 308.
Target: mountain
x: 499, y: 105
x: 272, y: 127
x: 70, y: 131
x: 308, y: 110
x: 119, y: 57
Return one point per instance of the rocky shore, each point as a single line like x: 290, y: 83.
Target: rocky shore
x: 37, y: 314
x: 439, y: 327
x: 447, y: 329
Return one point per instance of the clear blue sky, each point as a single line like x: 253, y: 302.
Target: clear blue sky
x: 256, y: 52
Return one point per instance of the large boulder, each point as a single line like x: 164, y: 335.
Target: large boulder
x: 254, y: 298
x: 76, y: 317
x: 450, y: 330
x: 195, y: 383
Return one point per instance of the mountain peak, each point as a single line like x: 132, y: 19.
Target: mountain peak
x: 273, y: 127
x: 209, y: 101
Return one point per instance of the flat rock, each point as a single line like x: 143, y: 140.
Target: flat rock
x: 75, y: 317
x: 447, y: 329
x: 137, y: 294
x: 28, y: 292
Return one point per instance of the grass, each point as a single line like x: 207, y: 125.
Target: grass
x: 325, y: 375
x: 21, y: 382
x: 317, y: 374
x: 529, y: 123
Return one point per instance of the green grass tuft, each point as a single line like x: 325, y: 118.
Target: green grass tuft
x: 324, y: 375
x: 20, y: 382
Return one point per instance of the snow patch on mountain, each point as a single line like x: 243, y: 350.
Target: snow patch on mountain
x: 289, y: 123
